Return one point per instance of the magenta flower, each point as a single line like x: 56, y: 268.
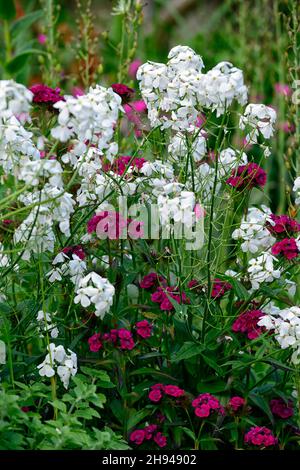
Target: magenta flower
x: 124, y: 91
x: 162, y: 294
x: 282, y: 409
x: 283, y: 225
x: 247, y: 176
x: 126, y: 340
x: 220, y: 288
x: 150, y: 430
x: 155, y: 395
x: 124, y: 162
x: 107, y: 224
x: 205, y: 404
x: 287, y: 248
x: 42, y: 38
x: 260, y: 436
x: 160, y: 439
x: 42, y: 94
x: 246, y: 323
x: 235, y: 403
x: 137, y: 436
x: 151, y: 280
x: 282, y: 89
x: 95, y: 343
x: 144, y: 328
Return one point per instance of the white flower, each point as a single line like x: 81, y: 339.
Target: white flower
x: 296, y: 189
x: 261, y: 119
x: 45, y: 324
x: 59, y: 361
x: 15, y: 99
x: 261, y: 269
x: 94, y: 289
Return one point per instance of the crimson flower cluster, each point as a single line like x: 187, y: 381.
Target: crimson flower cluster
x: 282, y: 409
x: 247, y: 176
x: 282, y: 225
x: 246, y: 323
x: 163, y: 294
x: 111, y: 224
x: 260, y: 436
x: 121, y: 163
x: 120, y: 337
x: 74, y: 250
x: 152, y: 280
x: 236, y: 403
x: 148, y: 433
x: 287, y: 247
x: 205, y: 404
x: 158, y: 391
x: 43, y: 94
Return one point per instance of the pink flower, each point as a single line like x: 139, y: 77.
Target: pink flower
x: 247, y: 323
x: 162, y: 294
x: 286, y: 127
x: 124, y: 162
x: 124, y: 91
x: 281, y: 409
x: 160, y: 439
x: 282, y: 89
x: 149, y: 430
x: 144, y: 329
x: 283, y: 224
x: 247, y: 176
x: 137, y: 436
x: 74, y: 250
x: 287, y: 248
x: 205, y: 403
x: 45, y: 94
x: 95, y: 343
x: 133, y: 68
x: 77, y: 91
x: 193, y: 283
x: 134, y: 112
x: 42, y: 38
x: 125, y: 337
x: 107, y: 224
x: 235, y: 403
x: 174, y: 391
x: 200, y: 121
x: 155, y: 395
x: 260, y: 436
x: 220, y: 288
x: 199, y: 211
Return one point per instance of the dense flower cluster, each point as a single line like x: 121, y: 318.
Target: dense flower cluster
x: 247, y: 323
x: 281, y: 408
x: 94, y: 289
x: 46, y: 95
x: 163, y: 294
x: 148, y: 433
x: 206, y: 404
x: 288, y: 247
x: 260, y: 436
x: 247, y: 176
x: 158, y: 391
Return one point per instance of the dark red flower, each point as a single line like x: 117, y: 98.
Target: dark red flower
x: 235, y: 403
x: 287, y: 248
x: 74, y: 250
x: 137, y: 436
x: 247, y: 323
x: 220, y: 288
x: 282, y: 409
x: 247, y: 176
x: 45, y: 94
x: 282, y: 225
x: 144, y: 329
x: 125, y: 337
x: 95, y: 343
x: 160, y: 439
x: 260, y: 436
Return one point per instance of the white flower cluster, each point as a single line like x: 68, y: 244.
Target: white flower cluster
x: 296, y: 189
x: 94, y: 289
x: 260, y: 119
x: 286, y: 325
x: 45, y: 324
x: 178, y: 147
x: 261, y: 269
x: 253, y: 231
x: 176, y: 210
x: 176, y: 92
x: 15, y: 99
x: 59, y: 361
x: 89, y: 117
x: 73, y: 268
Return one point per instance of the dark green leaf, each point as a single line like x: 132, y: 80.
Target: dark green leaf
x: 7, y: 9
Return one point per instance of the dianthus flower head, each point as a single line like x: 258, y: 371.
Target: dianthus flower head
x: 123, y: 91
x: 42, y: 94
x: 282, y: 409
x: 288, y: 247
x: 260, y: 436
x: 247, y: 176
x: 247, y: 323
x: 144, y: 328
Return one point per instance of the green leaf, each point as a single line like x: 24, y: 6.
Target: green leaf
x: 188, y: 350
x: 212, y: 363
x: 7, y: 10
x: 23, y: 23
x: 136, y: 417
x: 59, y: 405
x: 20, y: 60
x: 150, y: 371
x: 189, y: 433
x: 263, y: 404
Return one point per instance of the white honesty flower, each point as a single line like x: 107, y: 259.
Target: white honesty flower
x: 59, y: 361
x: 15, y: 99
x: 94, y: 289
x: 296, y: 189
x: 261, y: 269
x: 261, y: 119
x: 45, y: 324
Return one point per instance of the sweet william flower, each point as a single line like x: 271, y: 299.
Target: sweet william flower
x: 288, y: 247
x: 137, y: 436
x: 247, y: 323
x: 95, y: 343
x: 160, y: 439
x: 123, y: 91
x: 46, y: 95
x: 260, y: 436
x: 282, y: 409
x: 236, y: 403
x: 247, y: 176
x: 144, y: 329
